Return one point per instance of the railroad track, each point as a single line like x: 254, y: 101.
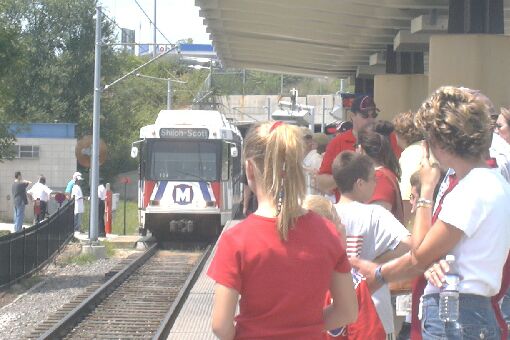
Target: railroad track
x: 141, y: 301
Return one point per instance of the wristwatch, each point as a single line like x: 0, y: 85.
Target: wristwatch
x: 378, y: 275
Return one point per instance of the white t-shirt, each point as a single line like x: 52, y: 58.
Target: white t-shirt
x: 500, y: 150
x: 40, y: 191
x: 312, y: 160
x: 101, y: 192
x: 409, y: 161
x: 479, y: 206
x: 371, y: 231
x: 78, y: 199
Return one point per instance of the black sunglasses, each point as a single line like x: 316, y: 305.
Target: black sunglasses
x: 372, y: 114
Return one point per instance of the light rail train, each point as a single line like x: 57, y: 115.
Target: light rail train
x: 189, y: 174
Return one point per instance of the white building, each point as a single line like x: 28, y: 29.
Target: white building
x: 40, y: 149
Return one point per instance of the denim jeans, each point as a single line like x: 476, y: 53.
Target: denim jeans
x: 19, y: 216
x: 77, y: 221
x: 476, y: 319
x: 505, y: 307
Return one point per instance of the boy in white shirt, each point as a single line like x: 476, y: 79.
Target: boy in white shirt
x: 372, y: 232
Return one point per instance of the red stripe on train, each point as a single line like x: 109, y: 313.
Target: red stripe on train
x: 215, y: 186
x: 148, y: 187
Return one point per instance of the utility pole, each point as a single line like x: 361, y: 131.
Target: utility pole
x: 93, y: 226
x: 154, y: 33
x: 169, y: 87
x: 169, y: 95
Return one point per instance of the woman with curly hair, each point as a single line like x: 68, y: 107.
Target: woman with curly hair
x: 409, y: 139
x: 472, y: 224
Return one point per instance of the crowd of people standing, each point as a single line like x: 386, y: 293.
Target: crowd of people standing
x: 442, y: 172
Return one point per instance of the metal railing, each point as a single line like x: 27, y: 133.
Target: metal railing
x: 25, y: 252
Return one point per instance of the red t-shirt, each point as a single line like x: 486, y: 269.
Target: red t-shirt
x: 347, y: 141
x: 387, y: 190
x: 367, y: 325
x: 282, y: 283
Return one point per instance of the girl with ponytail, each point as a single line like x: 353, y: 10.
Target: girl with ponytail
x: 282, y: 259
x: 373, y: 141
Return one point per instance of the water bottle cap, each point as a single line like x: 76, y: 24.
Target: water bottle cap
x: 450, y: 258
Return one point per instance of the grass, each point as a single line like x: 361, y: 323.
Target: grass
x: 110, y: 249
x: 81, y: 259
x: 4, y: 232
x: 118, y: 218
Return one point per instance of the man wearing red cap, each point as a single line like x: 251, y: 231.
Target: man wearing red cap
x: 363, y: 111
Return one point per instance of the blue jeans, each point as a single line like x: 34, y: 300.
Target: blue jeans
x: 476, y: 320
x: 19, y: 216
x: 505, y: 307
x: 77, y: 221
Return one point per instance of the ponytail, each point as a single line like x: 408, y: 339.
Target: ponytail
x: 277, y: 151
x: 378, y: 147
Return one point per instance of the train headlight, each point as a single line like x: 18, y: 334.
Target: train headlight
x: 154, y: 203
x: 209, y: 204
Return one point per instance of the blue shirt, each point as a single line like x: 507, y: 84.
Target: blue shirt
x: 69, y: 186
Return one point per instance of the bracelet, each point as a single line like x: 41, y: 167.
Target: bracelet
x: 424, y: 201
x: 423, y: 205
x: 378, y: 275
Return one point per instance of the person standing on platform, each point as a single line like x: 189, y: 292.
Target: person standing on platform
x: 471, y: 226
x: 70, y: 184
x: 79, y: 208
x: 101, y: 193
x: 41, y: 194
x: 363, y: 112
x: 19, y: 197
x: 281, y: 260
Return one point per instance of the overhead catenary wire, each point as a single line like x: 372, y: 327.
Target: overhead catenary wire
x: 148, y: 18
x: 109, y: 18
x: 139, y: 67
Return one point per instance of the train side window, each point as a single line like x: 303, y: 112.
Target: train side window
x: 225, y: 158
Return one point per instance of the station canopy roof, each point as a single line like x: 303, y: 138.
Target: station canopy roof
x: 312, y: 37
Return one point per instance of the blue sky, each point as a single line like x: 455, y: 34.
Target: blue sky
x: 177, y: 19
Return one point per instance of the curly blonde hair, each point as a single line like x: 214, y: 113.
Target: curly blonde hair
x: 277, y: 151
x: 405, y: 128
x: 457, y: 120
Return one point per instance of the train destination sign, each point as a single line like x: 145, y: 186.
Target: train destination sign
x: 184, y: 133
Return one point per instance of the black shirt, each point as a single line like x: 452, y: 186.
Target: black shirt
x: 19, y: 193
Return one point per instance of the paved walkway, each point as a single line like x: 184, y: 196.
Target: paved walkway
x: 10, y: 226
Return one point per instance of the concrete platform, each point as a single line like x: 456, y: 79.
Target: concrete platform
x: 194, y: 320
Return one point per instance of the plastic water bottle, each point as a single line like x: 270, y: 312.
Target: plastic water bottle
x: 449, y: 295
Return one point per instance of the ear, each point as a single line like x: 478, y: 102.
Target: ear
x: 250, y: 170
x: 358, y: 184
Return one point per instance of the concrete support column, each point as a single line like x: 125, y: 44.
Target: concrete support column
x: 395, y: 93
x: 478, y: 61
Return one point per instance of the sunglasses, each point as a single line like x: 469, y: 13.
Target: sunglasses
x: 365, y: 115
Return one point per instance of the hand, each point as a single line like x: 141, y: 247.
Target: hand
x: 367, y: 269
x: 436, y: 273
x: 430, y: 173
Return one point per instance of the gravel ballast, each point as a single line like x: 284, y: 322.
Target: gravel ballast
x: 60, y: 283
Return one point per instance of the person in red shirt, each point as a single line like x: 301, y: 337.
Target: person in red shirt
x: 387, y: 169
x: 281, y: 260
x: 363, y: 112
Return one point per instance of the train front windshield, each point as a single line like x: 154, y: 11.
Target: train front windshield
x: 183, y: 160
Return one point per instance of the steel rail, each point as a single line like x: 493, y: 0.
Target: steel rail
x: 167, y: 323
x: 74, y: 316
